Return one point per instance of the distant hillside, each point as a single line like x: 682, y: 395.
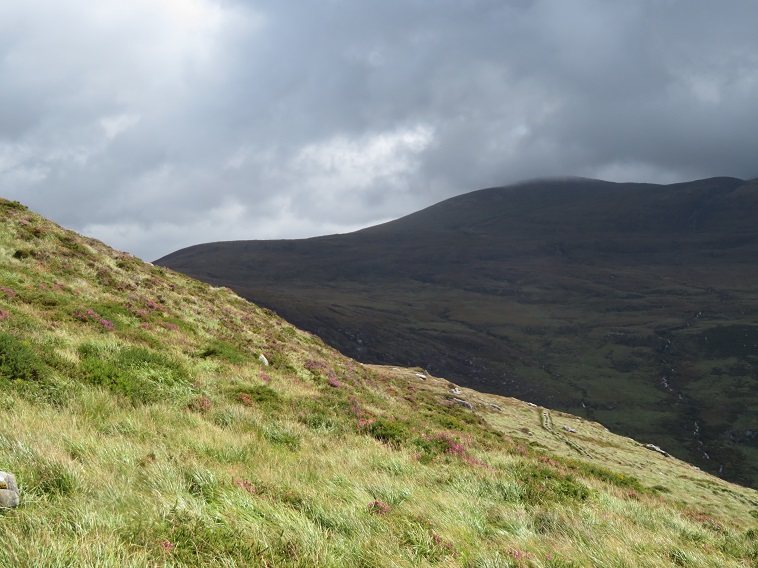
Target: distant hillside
x: 631, y: 304
x: 153, y: 420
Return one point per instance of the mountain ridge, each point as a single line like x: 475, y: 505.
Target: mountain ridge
x: 522, y: 289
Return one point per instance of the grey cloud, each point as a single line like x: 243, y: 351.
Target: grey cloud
x: 158, y: 124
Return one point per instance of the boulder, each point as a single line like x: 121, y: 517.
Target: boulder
x: 8, y: 481
x: 655, y: 448
x: 8, y: 490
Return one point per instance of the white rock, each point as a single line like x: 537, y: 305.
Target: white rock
x: 655, y: 448
x: 8, y: 490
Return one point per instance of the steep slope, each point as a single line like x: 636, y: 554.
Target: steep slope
x: 631, y: 304
x: 146, y: 429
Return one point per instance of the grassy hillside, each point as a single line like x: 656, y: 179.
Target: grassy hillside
x: 145, y: 429
x: 634, y: 305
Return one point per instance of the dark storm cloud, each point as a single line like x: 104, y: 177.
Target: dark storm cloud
x: 157, y: 124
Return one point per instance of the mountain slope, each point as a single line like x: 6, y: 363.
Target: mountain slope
x: 145, y: 429
x: 631, y: 304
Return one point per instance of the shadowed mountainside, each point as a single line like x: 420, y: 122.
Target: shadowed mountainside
x: 631, y: 304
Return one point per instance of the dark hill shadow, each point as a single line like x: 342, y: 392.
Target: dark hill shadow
x: 632, y: 304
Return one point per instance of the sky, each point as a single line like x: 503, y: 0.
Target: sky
x: 157, y: 124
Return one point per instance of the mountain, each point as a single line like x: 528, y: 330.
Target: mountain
x: 153, y: 420
x: 634, y: 305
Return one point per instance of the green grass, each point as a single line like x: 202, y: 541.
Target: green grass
x: 19, y: 362
x: 146, y: 444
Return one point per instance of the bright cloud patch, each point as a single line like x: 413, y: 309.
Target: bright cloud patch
x: 343, y: 163
x: 114, y: 125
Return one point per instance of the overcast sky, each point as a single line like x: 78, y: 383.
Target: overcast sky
x: 157, y: 124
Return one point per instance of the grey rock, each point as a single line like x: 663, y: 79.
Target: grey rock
x: 463, y: 403
x: 8, y: 499
x: 569, y: 429
x: 8, y: 481
x: 8, y: 490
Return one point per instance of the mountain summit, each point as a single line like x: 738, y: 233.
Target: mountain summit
x: 631, y: 304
